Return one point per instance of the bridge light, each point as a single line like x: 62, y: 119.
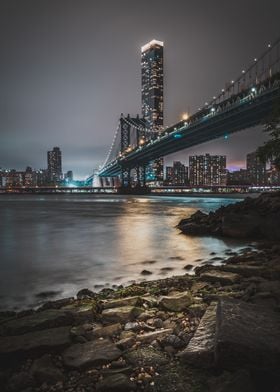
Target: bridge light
x: 226, y: 137
x: 142, y: 141
x: 269, y: 45
x: 223, y: 90
x: 214, y: 97
x: 177, y: 136
x: 243, y: 71
x: 253, y: 90
x: 232, y: 82
x: 185, y: 116
x: 212, y: 110
x: 255, y: 59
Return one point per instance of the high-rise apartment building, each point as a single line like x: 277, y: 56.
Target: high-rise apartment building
x: 152, y: 97
x: 54, y: 165
x: 256, y: 170
x: 176, y: 174
x: 207, y: 170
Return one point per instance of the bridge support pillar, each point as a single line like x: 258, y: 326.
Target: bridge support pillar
x: 141, y: 176
x: 125, y: 178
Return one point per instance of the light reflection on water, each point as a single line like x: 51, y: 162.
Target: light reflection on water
x: 61, y: 244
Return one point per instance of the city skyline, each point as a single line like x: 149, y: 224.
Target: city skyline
x: 62, y: 86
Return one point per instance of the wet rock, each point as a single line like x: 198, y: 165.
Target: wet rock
x: 149, y: 337
x: 127, y: 334
x: 195, y: 229
x: 132, y: 326
x: 107, y: 331
x: 84, y: 330
x: 85, y: 294
x: 126, y: 343
x: 84, y: 312
x: 92, y: 353
x: 248, y: 228
x: 166, y: 269
x: 121, y: 314
x: 174, y: 341
x: 37, y: 321
x: 115, y: 383
x: 220, y: 276
x: 43, y: 370
x: 155, y: 322
x: 116, y: 303
x: 200, y: 350
x: 149, y: 262
x: 177, y: 302
x: 48, y: 340
x: 58, y: 304
x: 188, y: 267
x: 146, y: 272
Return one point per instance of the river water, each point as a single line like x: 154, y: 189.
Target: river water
x: 52, y: 246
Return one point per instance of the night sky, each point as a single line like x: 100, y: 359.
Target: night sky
x: 69, y: 68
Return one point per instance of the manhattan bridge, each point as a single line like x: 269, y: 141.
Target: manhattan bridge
x: 245, y: 102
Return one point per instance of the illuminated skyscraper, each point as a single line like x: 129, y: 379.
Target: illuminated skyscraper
x: 207, y: 170
x: 54, y: 165
x: 256, y: 170
x: 152, y: 97
x: 152, y: 84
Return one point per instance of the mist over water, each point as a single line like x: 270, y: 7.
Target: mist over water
x: 53, y: 246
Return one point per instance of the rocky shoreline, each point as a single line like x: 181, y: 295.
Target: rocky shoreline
x: 215, y: 331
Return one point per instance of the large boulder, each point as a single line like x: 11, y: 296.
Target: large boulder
x: 247, y: 336
x: 200, y: 350
x: 235, y: 335
x: 242, y: 226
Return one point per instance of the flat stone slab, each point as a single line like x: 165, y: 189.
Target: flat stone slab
x: 41, y: 320
x: 121, y: 314
x: 38, y: 341
x: 92, y: 353
x: 116, y: 303
x: 149, y: 337
x: 200, y: 350
x: 220, y: 276
x: 177, y: 302
x: 247, y: 335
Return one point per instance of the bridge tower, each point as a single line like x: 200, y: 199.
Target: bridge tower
x: 132, y: 130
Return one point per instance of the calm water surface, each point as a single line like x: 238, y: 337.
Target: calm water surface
x: 53, y: 246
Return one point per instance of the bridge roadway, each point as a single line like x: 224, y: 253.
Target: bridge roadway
x: 245, y: 111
